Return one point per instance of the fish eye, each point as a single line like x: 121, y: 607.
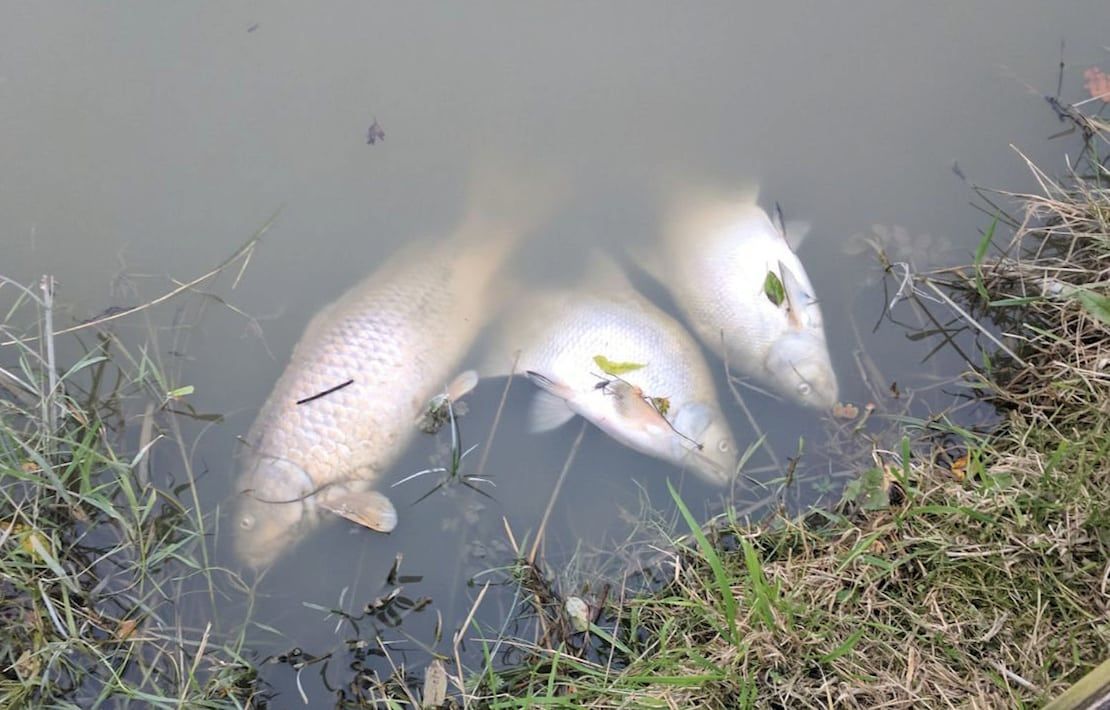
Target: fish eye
x: 722, y: 446
x: 804, y: 389
x: 246, y: 522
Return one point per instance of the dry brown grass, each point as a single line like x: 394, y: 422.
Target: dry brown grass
x: 985, y: 583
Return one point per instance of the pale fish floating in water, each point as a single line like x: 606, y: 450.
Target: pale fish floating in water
x: 379, y: 353
x: 667, y: 408
x: 723, y: 260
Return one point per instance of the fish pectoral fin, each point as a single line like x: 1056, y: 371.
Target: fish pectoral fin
x: 462, y: 385
x: 549, y: 408
x: 369, y: 509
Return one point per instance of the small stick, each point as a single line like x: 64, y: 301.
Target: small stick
x: 48, y: 416
x: 747, y: 412
x: 458, y: 678
x: 326, y: 392
x: 497, y: 416
x: 555, y: 493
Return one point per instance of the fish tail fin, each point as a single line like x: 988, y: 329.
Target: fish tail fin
x: 505, y: 203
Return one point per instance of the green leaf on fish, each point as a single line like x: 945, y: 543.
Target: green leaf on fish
x: 772, y: 286
x: 616, y: 369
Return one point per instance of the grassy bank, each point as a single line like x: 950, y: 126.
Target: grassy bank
x: 964, y: 570
x: 101, y: 562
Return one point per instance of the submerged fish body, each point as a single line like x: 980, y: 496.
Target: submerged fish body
x: 667, y: 408
x: 715, y: 261
x: 379, y: 353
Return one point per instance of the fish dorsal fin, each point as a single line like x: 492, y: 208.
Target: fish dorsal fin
x: 549, y: 409
x: 793, y: 232
x: 796, y: 296
x: 796, y: 232
x: 369, y: 509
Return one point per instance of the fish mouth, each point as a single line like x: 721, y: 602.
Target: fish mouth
x: 707, y: 468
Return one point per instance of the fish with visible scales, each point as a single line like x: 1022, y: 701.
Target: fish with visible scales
x: 715, y: 257
x: 662, y: 402
x: 393, y: 341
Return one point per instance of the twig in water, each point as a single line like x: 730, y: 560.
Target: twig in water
x: 48, y: 414
x: 747, y: 412
x: 975, y: 324
x: 497, y: 416
x: 555, y: 493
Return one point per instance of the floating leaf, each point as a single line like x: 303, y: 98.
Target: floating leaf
x: 616, y: 369
x: 661, y: 404
x: 772, y: 286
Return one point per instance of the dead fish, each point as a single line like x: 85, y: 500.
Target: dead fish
x: 392, y: 342
x: 563, y: 339
x: 718, y: 257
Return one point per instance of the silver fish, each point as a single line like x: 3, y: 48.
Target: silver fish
x: 363, y: 371
x: 715, y: 260
x: 667, y: 408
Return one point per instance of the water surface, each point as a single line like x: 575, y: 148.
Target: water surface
x: 154, y: 139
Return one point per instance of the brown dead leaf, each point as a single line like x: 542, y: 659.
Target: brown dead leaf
x: 959, y: 468
x: 28, y: 664
x: 1097, y: 83
x: 125, y: 628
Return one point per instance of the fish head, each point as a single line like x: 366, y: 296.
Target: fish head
x: 621, y: 411
x: 703, y: 440
x: 798, y: 365
x: 272, y: 507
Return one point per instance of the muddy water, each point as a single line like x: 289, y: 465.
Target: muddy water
x: 154, y: 139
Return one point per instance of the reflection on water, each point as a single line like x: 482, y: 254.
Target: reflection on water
x: 157, y: 137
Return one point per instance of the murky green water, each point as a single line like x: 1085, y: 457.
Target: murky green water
x: 154, y: 139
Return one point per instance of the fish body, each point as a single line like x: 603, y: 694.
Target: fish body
x: 667, y: 408
x: 715, y: 260
x: 380, y: 352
